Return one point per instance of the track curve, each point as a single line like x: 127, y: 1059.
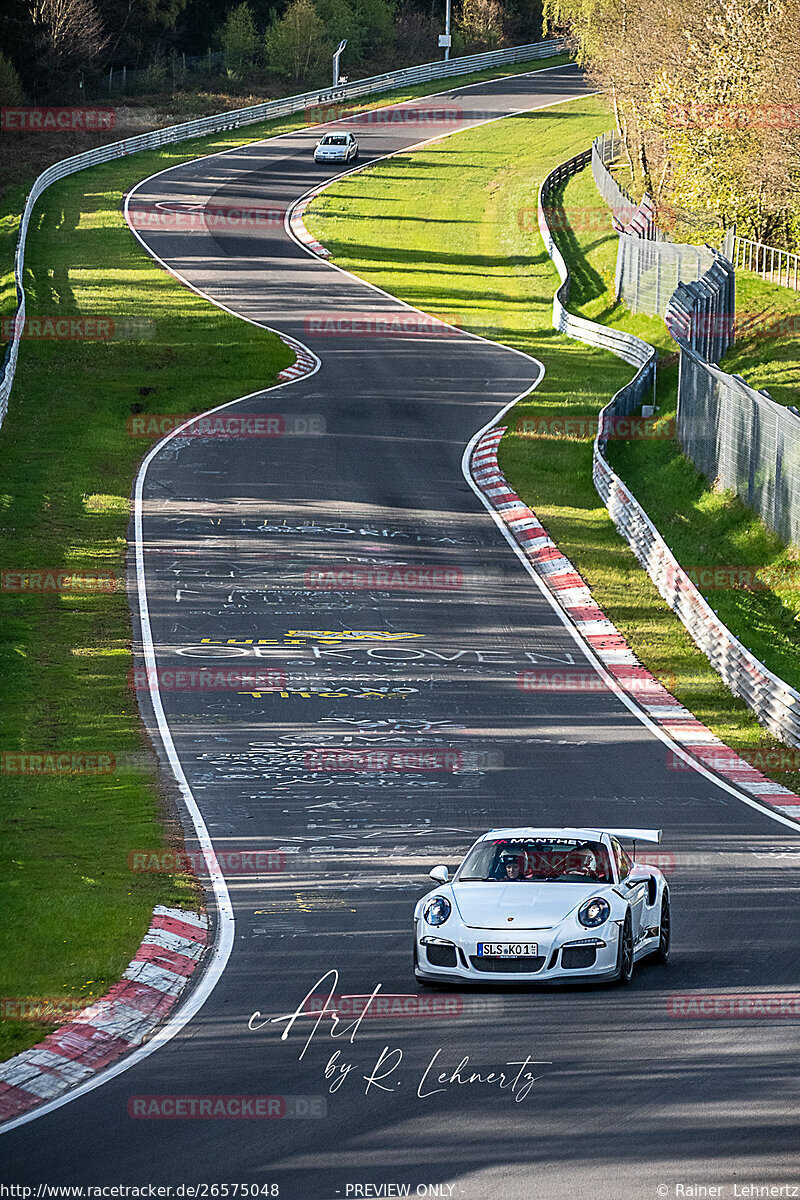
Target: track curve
x: 239, y: 537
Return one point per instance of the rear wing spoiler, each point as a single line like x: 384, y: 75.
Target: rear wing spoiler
x: 636, y: 835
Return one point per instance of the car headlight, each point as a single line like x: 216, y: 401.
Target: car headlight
x: 594, y: 912
x: 437, y: 910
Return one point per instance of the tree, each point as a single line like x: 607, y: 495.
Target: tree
x: 368, y: 25
x: 295, y: 43
x: 143, y: 29
x: 240, y: 42
x: 68, y: 36
x: 377, y: 20
x: 697, y: 88
x: 11, y: 91
x: 481, y: 24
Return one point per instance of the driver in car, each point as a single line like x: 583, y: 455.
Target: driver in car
x: 510, y: 868
x: 583, y: 862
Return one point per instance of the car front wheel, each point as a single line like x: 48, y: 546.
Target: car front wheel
x: 664, y: 932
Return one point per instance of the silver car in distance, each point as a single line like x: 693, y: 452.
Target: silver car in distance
x: 336, y: 146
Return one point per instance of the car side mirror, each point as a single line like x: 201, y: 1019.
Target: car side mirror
x: 440, y: 874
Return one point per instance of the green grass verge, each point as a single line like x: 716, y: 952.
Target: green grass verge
x: 73, y: 912
x: 494, y: 275
x: 767, y: 348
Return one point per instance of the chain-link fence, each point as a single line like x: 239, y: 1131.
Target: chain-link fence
x: 178, y: 71
x: 775, y: 703
x: 702, y: 315
x: 742, y: 440
x: 649, y: 272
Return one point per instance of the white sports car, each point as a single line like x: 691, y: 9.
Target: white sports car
x: 543, y: 906
x: 338, y: 146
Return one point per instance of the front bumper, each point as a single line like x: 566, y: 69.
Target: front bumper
x: 332, y: 158
x: 563, y: 954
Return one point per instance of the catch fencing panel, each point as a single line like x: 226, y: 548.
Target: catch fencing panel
x: 742, y: 440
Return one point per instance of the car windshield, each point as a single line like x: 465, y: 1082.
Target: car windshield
x: 537, y: 860
x: 338, y: 139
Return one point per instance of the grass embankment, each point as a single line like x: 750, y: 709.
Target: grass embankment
x: 482, y: 185
x: 73, y: 912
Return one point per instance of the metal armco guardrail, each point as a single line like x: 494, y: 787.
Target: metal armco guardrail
x: 234, y: 120
x: 775, y: 703
x: 632, y: 349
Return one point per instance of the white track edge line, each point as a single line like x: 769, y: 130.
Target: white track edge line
x: 225, y: 941
x: 221, y: 949
x: 318, y: 189
x: 276, y: 137
x: 611, y: 683
x: 223, y: 945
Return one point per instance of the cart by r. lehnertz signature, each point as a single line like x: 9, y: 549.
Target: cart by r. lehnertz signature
x: 515, y: 1076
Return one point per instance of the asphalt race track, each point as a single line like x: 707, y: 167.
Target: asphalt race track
x: 247, y: 544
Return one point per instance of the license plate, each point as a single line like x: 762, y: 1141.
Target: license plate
x: 507, y: 949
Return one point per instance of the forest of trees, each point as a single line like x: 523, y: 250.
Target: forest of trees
x: 49, y: 45
x: 706, y: 94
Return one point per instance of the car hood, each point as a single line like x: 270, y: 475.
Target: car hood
x: 529, y: 905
